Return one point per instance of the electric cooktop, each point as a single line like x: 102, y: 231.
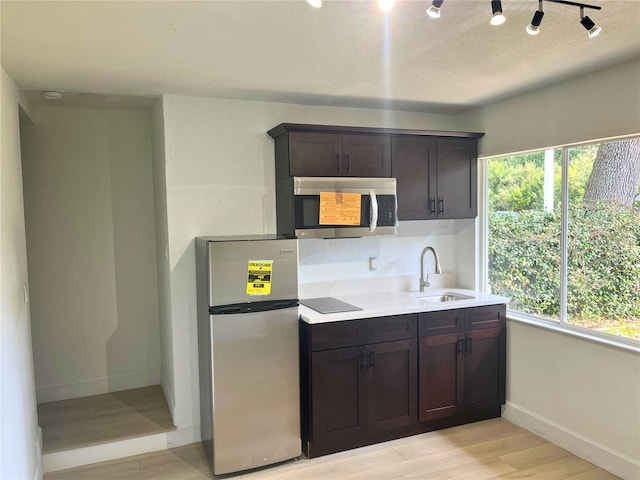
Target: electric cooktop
x: 328, y: 305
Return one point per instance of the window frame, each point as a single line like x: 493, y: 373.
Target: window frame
x: 562, y: 325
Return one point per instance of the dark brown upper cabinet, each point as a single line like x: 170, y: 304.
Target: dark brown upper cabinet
x: 315, y: 154
x: 436, y: 171
x: 414, y: 166
x: 436, y: 176
x: 332, y: 154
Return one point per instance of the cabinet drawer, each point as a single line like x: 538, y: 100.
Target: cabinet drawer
x: 348, y: 333
x: 388, y: 329
x: 441, y: 323
x: 492, y: 316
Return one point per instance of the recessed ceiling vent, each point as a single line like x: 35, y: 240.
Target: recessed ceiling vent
x: 52, y: 95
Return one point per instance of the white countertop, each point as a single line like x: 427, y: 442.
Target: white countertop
x: 398, y: 303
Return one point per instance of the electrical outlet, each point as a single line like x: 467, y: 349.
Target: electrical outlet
x: 373, y: 263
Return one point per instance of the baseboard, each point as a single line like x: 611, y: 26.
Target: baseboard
x: 77, y: 457
x: 97, y: 386
x: 184, y: 435
x: 604, y: 457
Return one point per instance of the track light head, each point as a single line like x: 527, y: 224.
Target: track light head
x: 533, y: 27
x: 498, y: 17
x: 434, y: 10
x: 590, y: 27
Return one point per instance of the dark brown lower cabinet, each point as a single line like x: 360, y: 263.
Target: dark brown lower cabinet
x: 459, y: 373
x: 464, y: 371
x: 485, y: 368
x: 361, y: 390
x: 371, y: 380
x: 392, y: 384
x: 441, y: 376
x: 338, y: 395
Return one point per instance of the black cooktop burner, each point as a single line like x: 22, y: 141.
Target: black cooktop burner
x: 329, y: 305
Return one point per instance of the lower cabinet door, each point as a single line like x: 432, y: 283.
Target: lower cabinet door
x: 485, y: 357
x: 442, y: 372
x: 338, y: 396
x: 392, y: 379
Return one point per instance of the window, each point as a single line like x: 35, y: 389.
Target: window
x: 564, y: 235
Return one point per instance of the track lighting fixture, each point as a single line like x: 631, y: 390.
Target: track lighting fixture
x: 588, y: 24
x: 498, y: 17
x: 434, y: 10
x: 591, y: 27
x: 532, y: 28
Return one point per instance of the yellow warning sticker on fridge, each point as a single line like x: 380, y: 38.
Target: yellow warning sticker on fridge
x: 337, y: 208
x: 259, y: 277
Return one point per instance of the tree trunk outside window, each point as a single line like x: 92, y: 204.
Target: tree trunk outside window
x: 616, y: 173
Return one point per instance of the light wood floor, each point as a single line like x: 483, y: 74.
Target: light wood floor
x: 485, y: 450
x: 98, y: 419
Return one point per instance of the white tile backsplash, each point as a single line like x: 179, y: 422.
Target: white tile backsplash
x: 345, y: 260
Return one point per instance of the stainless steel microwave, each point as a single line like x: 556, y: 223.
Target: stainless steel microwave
x: 336, y: 207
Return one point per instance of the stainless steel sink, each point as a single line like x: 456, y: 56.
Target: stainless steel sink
x: 440, y: 298
x: 444, y: 298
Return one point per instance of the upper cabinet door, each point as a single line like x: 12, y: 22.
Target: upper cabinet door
x: 414, y: 171
x: 315, y: 154
x: 334, y: 155
x: 366, y: 155
x: 457, y: 168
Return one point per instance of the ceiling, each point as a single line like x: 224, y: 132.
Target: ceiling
x: 347, y: 53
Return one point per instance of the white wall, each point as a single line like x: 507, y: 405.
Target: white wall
x: 91, y: 250
x: 19, y: 437
x: 162, y: 254
x: 599, y: 105
x: 220, y: 180
x: 580, y: 395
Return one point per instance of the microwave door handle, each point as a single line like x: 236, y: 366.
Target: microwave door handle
x: 373, y: 211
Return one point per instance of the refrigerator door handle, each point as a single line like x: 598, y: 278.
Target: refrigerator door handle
x: 284, y: 304
x: 230, y: 309
x: 252, y: 307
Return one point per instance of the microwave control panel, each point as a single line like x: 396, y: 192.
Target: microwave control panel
x: 387, y: 210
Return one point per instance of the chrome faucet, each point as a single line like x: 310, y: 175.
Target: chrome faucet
x: 424, y: 283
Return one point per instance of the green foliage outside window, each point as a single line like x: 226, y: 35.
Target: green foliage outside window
x: 603, y: 277
x: 524, y: 260
x: 603, y: 263
x: 517, y: 182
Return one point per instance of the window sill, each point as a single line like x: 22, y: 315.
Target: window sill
x: 622, y: 343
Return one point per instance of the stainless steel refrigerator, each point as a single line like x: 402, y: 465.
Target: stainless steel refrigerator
x: 247, y: 295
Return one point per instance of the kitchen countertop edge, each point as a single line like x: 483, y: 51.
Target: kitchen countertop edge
x: 398, y: 303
